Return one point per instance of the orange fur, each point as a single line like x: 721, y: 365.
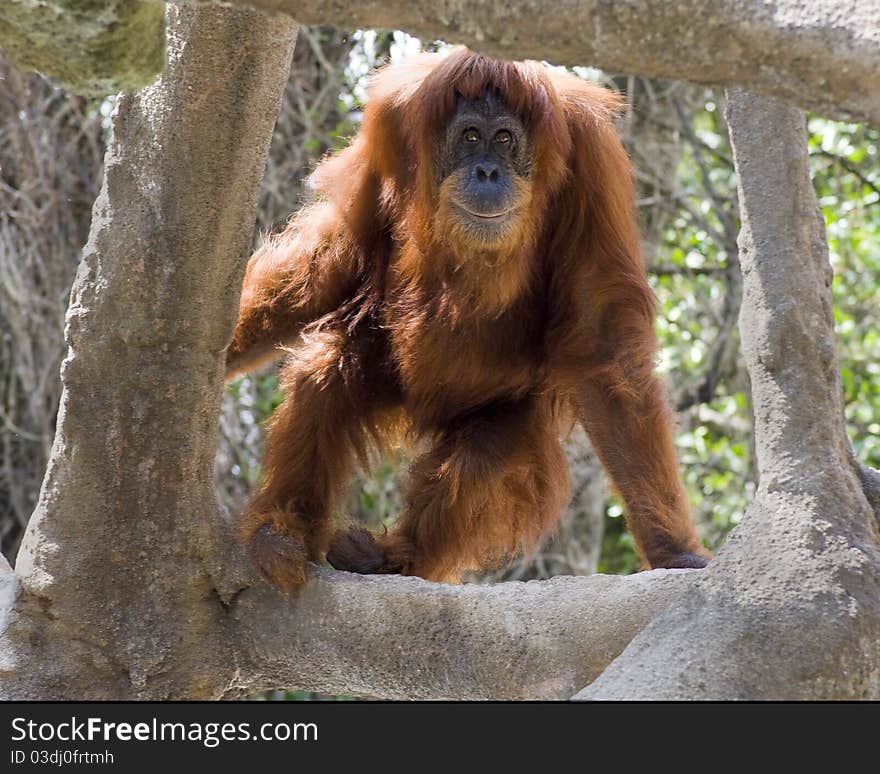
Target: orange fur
x: 485, y: 352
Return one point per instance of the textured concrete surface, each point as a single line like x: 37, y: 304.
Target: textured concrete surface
x: 113, y: 567
x: 94, y: 47
x: 406, y: 638
x: 823, y: 55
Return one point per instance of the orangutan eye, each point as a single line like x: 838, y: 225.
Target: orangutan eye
x: 471, y: 135
x: 503, y: 137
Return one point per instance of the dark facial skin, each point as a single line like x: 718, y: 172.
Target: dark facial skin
x: 484, y: 154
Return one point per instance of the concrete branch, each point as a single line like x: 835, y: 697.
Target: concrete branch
x: 405, y: 638
x: 823, y: 55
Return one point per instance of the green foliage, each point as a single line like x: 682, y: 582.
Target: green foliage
x: 618, y: 555
x: 846, y: 174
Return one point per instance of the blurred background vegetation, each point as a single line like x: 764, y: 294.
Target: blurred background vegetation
x: 51, y: 151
